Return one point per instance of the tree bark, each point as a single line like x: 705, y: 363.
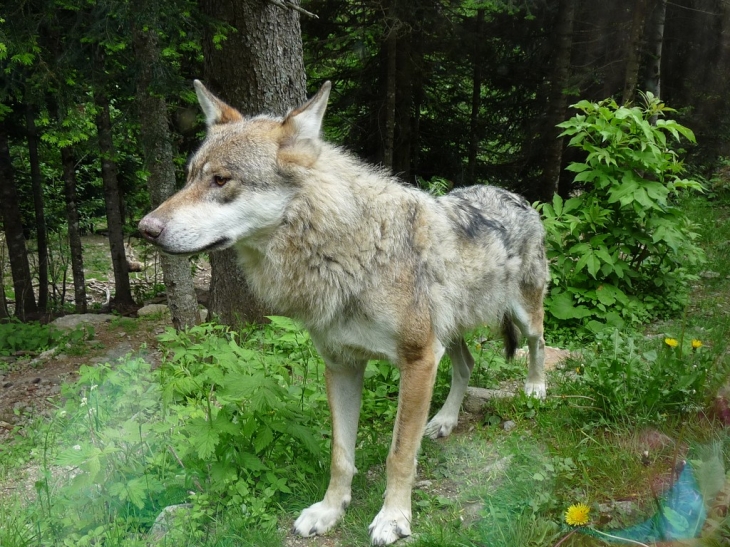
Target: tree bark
x: 558, y: 100
x: 25, y: 304
x: 4, y: 314
x: 476, y: 102
x: 122, y: 295
x: 158, y: 155
x: 391, y: 50
x: 40, y: 218
x: 266, y: 76
x: 634, y: 54
x: 654, y: 47
x: 402, y: 136
x: 74, y: 234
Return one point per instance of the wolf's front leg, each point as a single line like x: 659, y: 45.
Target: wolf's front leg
x: 417, y: 377
x: 344, y: 393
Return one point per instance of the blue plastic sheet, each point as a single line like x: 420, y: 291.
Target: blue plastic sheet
x: 680, y: 515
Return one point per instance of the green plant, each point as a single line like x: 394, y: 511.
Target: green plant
x: 244, y: 411
x: 628, y: 380
x: 29, y: 337
x: 621, y: 249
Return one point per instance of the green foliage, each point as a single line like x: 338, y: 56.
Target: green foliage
x: 629, y: 380
x: 32, y: 337
x: 217, y: 425
x: 245, y: 411
x: 621, y: 249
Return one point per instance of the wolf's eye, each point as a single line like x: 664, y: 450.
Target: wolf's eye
x: 219, y: 180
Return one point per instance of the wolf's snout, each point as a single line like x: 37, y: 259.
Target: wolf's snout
x: 151, y: 227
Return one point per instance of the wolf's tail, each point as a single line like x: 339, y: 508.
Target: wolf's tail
x: 511, y: 336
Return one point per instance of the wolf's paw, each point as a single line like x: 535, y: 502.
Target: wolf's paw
x: 441, y: 426
x: 389, y: 526
x: 535, y: 389
x: 316, y: 519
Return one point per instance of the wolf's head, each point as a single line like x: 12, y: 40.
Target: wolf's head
x: 239, y: 182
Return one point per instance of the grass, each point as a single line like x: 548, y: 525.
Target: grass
x: 485, y: 486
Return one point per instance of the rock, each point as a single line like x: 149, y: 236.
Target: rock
x: 477, y: 397
x: 553, y: 356
x: 153, y: 309
x: 509, y: 425
x: 70, y: 322
x: 203, y: 312
x: 620, y: 507
x: 166, y: 520
x: 423, y: 484
x: 44, y: 356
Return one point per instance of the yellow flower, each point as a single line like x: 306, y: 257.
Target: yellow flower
x: 671, y: 342
x: 696, y: 344
x: 577, y: 515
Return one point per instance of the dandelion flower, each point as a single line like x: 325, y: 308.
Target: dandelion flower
x: 671, y: 342
x: 577, y: 515
x: 696, y: 344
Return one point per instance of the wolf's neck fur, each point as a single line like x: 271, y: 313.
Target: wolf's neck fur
x: 308, y: 270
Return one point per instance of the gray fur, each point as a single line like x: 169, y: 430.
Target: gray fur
x: 372, y: 267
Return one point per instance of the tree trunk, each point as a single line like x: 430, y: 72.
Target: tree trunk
x: 634, y: 55
x: 391, y: 50
x: 476, y: 102
x: 122, y: 295
x: 158, y: 155
x: 4, y: 314
x: 74, y: 235
x: 267, y: 76
x: 558, y: 101
x: 25, y: 304
x: 40, y: 218
x: 418, y: 96
x: 402, y: 137
x: 654, y: 46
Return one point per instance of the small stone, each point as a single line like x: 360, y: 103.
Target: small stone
x: 478, y: 397
x: 164, y: 521
x: 509, y: 425
x: 70, y: 322
x: 153, y: 309
x: 423, y: 484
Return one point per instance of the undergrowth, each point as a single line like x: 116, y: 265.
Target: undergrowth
x: 234, y: 428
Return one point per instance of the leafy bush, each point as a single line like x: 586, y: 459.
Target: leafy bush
x: 635, y: 382
x: 621, y: 249
x: 243, y: 413
x: 16, y: 336
x: 218, y: 425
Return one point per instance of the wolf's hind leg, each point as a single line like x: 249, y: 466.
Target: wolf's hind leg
x: 344, y: 393
x: 462, y: 363
x: 530, y: 322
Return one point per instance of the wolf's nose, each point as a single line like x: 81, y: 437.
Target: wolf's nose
x: 151, y: 227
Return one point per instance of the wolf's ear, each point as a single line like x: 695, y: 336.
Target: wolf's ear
x: 301, y: 143
x: 306, y: 121
x: 216, y: 111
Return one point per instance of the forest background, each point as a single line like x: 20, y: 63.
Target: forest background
x: 98, y: 116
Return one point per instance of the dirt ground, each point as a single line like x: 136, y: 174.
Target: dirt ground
x: 29, y: 384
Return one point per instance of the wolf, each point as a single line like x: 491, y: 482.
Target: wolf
x: 374, y: 269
